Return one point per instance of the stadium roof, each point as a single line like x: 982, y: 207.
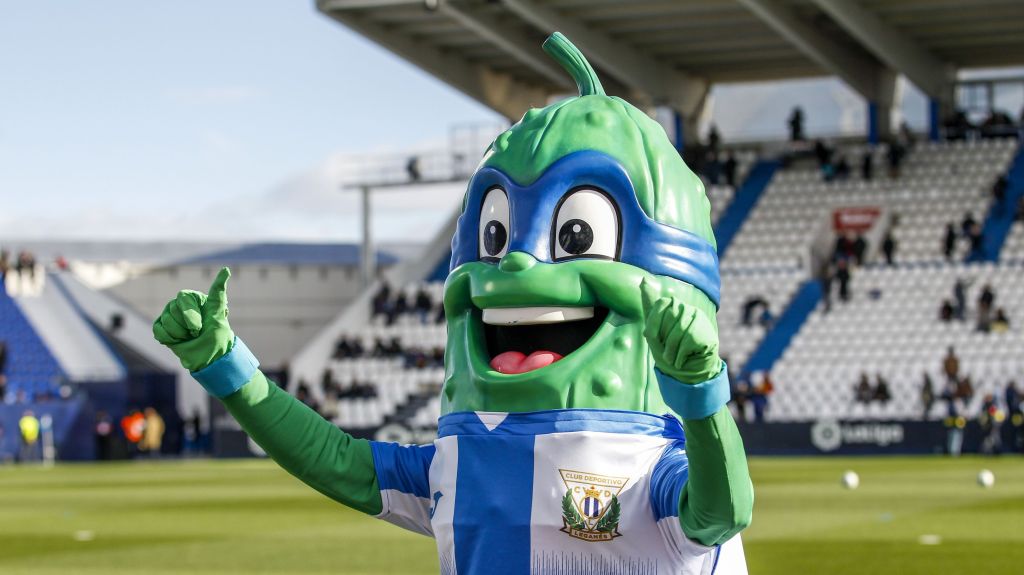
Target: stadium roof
x: 669, y: 52
x: 293, y: 254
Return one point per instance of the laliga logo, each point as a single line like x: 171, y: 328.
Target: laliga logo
x: 829, y: 434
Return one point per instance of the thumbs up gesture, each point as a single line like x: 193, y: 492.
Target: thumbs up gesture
x: 683, y: 340
x: 195, y: 326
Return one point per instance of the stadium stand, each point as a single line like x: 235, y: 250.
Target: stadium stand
x: 768, y: 272
x: 891, y: 327
x: 31, y: 369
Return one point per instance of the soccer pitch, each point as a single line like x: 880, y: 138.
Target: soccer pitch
x: 910, y: 515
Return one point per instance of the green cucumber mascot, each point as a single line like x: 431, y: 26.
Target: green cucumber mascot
x: 584, y: 427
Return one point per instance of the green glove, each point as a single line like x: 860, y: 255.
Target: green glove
x: 682, y: 338
x: 195, y: 326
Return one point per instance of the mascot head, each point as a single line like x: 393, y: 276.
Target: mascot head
x: 569, y: 210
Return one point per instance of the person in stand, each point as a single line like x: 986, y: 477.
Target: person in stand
x: 951, y: 366
x: 949, y: 242
x: 862, y: 392
x: 960, y: 299
x: 895, y: 156
x: 946, y: 312
x: 729, y: 170
x: 927, y: 396
x: 867, y: 166
x: 889, y: 248
x: 976, y: 238
x: 1000, y: 323
x: 967, y: 224
x: 796, y: 125
x: 860, y: 247
x: 843, y: 277
x: 714, y: 139
x: 422, y: 304
x: 881, y: 392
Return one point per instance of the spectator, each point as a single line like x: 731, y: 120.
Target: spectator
x: 422, y: 304
x: 845, y: 247
x: 927, y: 396
x: 984, y: 323
x: 895, y: 156
x: 412, y: 168
x: 881, y: 392
x: 712, y: 168
x: 843, y: 277
x: 867, y: 166
x: 1000, y: 323
x: 957, y: 126
x: 946, y: 312
x: 862, y: 392
x: 990, y: 419
x: 977, y: 241
x: 860, y: 247
x: 949, y: 242
x: 303, y: 395
x: 965, y: 389
x: 999, y: 190
x: 951, y: 366
x: 729, y: 169
x: 824, y: 156
x: 714, y: 139
x: 796, y: 125
x: 153, y: 433
x: 987, y: 297
x: 959, y: 299
x: 1015, y: 413
x: 889, y: 248
x: 967, y: 224
x: 381, y: 299
x: 28, y: 425
x: 826, y: 286
x: 842, y: 169
x: 750, y: 306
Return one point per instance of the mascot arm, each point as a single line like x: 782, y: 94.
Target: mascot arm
x: 194, y: 326
x: 717, y: 500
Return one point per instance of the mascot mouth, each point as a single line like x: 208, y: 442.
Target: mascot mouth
x: 520, y: 340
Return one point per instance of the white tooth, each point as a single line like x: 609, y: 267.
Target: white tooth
x: 535, y: 315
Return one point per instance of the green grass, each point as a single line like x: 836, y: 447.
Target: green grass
x: 209, y: 517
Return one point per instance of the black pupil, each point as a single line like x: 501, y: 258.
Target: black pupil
x: 575, y: 237
x: 495, y: 237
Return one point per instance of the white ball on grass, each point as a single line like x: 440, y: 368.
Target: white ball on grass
x: 851, y: 480
x: 986, y: 478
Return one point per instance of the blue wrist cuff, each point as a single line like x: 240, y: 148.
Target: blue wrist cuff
x: 230, y: 372
x: 695, y: 401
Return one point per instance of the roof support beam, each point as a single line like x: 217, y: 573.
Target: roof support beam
x: 661, y: 83
x: 498, y: 91
x: 514, y: 43
x: 859, y: 72
x: 900, y: 53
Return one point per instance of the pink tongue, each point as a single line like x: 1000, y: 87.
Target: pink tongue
x: 517, y: 362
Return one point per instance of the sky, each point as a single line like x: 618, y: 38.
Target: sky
x: 238, y: 121
x: 203, y: 120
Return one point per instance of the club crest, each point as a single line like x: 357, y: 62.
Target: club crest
x: 590, y: 507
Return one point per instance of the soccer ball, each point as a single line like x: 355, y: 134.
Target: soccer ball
x: 986, y: 478
x: 851, y: 480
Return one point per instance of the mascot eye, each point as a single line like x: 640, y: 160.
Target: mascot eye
x: 494, y: 225
x: 587, y: 225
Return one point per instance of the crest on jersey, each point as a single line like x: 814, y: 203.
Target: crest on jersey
x: 590, y: 507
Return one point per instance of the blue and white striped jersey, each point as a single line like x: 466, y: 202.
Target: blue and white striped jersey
x: 567, y: 492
